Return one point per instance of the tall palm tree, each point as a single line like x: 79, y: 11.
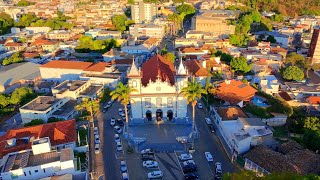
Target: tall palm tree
x: 122, y: 94
x: 89, y: 105
x: 193, y: 92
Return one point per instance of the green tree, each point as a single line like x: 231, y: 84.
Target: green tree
x: 227, y: 58
x: 6, y: 22
x: 4, y: 100
x: 122, y: 94
x: 187, y: 9
x: 34, y: 122
x: 192, y: 93
x: 293, y: 73
x: 312, y: 123
x: 20, y: 94
x: 163, y: 51
x: 14, y: 58
x: 170, y: 56
x: 88, y: 105
x: 277, y: 18
x: 119, y: 21
x: 250, y: 175
x: 240, y: 64
x: 178, y: 1
x: 26, y: 20
x: 22, y: 3
x: 130, y: 1
x: 311, y: 139
x: 271, y: 39
x: 294, y: 59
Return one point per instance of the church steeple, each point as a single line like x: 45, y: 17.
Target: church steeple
x: 133, y: 70
x: 182, y: 70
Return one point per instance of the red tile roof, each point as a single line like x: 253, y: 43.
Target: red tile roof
x: 62, y: 64
x: 59, y: 133
x: 191, y: 50
x: 234, y: 91
x: 98, y: 67
x: 314, y: 99
x: 12, y: 44
x: 195, y: 68
x: 157, y: 67
x: 40, y: 42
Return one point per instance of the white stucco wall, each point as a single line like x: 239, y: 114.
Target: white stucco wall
x: 55, y: 74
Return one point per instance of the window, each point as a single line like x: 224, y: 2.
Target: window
x: 159, y: 102
x: 30, y: 172
x: 134, y: 83
x: 169, y: 103
x: 44, y: 170
x: 148, y: 102
x: 24, y: 173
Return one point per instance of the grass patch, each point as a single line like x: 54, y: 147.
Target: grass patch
x: 280, y: 132
x: 258, y: 111
x: 83, y: 133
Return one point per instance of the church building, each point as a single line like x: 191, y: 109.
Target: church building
x: 158, y: 84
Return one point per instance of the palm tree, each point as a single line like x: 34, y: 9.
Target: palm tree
x: 122, y: 94
x: 193, y: 92
x: 88, y: 105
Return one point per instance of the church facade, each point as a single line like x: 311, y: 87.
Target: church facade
x: 158, y: 85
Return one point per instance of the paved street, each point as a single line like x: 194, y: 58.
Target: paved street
x: 13, y: 122
x: 108, y: 161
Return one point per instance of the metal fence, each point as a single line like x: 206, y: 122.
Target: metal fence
x: 249, y: 165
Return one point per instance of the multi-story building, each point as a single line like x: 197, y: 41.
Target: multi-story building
x: 214, y: 21
x: 154, y: 31
x: 314, y: 51
x: 45, y: 107
x: 158, y: 86
x: 143, y: 12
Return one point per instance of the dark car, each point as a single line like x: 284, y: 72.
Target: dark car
x: 190, y: 166
x: 189, y: 169
x: 147, y: 158
x: 189, y: 176
x: 120, y: 122
x: 211, y: 128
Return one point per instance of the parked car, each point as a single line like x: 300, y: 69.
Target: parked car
x: 184, y: 157
x: 189, y: 169
x: 147, y: 158
x: 211, y: 128
x: 188, y: 162
x: 95, y: 131
x: 123, y: 166
x: 112, y: 122
x: 208, y: 121
x: 199, y: 105
x: 147, y: 151
x: 117, y: 138
x: 117, y: 129
x: 119, y: 146
x: 190, y: 176
x: 190, y: 166
x: 97, y: 148
x: 125, y: 176
x: 109, y: 104
x: 96, y: 139
x: 155, y: 174
x: 120, y: 111
x: 104, y: 110
x: 208, y: 156
x: 120, y: 122
x: 150, y: 164
x: 218, y: 168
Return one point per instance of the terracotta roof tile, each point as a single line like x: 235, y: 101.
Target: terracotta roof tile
x: 231, y: 113
x: 40, y: 42
x: 191, y: 50
x: 195, y: 68
x: 98, y: 67
x: 59, y: 133
x: 62, y: 64
x: 314, y: 99
x: 157, y: 67
x: 12, y: 44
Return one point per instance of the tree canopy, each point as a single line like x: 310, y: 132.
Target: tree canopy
x: 119, y: 21
x: 6, y: 22
x: 20, y: 94
x: 240, y: 64
x: 170, y: 57
x: 187, y: 9
x: 86, y: 44
x: 24, y: 3
x: 14, y: 58
x: 34, y: 122
x: 293, y: 73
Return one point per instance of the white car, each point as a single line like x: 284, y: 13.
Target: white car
x: 199, y: 105
x: 125, y: 176
x: 208, y: 156
x: 117, y: 138
x: 123, y: 166
x: 119, y: 146
x: 112, y: 122
x: 122, y: 114
x: 218, y: 168
x: 109, y: 104
x: 155, y: 174
x: 96, y: 130
x: 117, y: 129
x: 120, y: 111
x: 96, y: 139
x: 208, y: 121
x: 188, y: 162
x: 184, y: 157
x: 97, y: 148
x: 147, y: 151
x: 150, y: 164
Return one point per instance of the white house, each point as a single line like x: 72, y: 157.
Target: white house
x: 45, y: 107
x: 147, y: 47
x: 239, y: 131
x: 158, y: 86
x: 268, y: 83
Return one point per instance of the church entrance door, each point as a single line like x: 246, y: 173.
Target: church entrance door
x: 149, y: 115
x: 169, y: 115
x: 159, y: 114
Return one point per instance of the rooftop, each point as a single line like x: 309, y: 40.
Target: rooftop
x: 66, y: 108
x: 196, y: 68
x: 61, y: 64
x: 251, y: 121
x: 41, y: 103
x: 91, y: 90
x: 69, y: 85
x: 231, y: 113
x: 303, y: 87
x: 58, y: 132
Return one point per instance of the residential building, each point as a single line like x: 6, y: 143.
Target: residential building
x: 158, y: 86
x: 114, y: 54
x: 77, y: 89
x: 200, y: 35
x: 314, y: 50
x: 103, y: 34
x: 60, y: 135
x: 300, y: 90
x: 17, y: 75
x: 240, y: 132
x: 198, y: 70
x: 11, y: 45
x: 184, y: 42
x: 46, y: 45
x: 146, y: 48
x: 150, y: 31
x: 45, y: 107
x: 214, y: 21
x: 60, y: 35
x: 235, y: 92
x: 142, y: 12
x: 268, y: 84
x: 35, y: 30
x: 185, y: 51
